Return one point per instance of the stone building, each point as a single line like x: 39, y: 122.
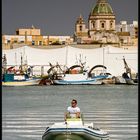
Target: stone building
x: 101, y: 25
x: 81, y: 31
x: 28, y: 36
x: 102, y: 28
x: 101, y: 18
x: 32, y: 37
x: 128, y: 33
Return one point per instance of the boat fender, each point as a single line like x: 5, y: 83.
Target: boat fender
x: 90, y: 127
x: 96, y: 128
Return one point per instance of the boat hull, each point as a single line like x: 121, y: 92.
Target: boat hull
x: 121, y: 80
x: 74, y: 134
x: 22, y: 83
x: 74, y: 129
x: 82, y: 82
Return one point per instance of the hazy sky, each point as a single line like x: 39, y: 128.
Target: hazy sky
x: 58, y: 17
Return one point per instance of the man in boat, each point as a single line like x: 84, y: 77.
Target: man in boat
x: 73, y: 111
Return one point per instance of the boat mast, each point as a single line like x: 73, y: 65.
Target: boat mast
x: 21, y: 63
x: 4, y: 63
x: 66, y: 59
x: 16, y: 59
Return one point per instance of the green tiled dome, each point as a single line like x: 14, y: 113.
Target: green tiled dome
x: 102, y: 7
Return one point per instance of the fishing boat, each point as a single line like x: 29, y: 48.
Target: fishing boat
x: 74, y: 129
x: 82, y: 77
x: 79, y: 79
x: 21, y: 76
x: 19, y: 80
x: 127, y: 77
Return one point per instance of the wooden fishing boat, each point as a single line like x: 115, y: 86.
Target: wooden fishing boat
x: 19, y: 80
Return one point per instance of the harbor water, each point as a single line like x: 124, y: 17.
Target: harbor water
x: 27, y: 111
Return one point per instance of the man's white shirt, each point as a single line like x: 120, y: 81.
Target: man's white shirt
x: 73, y: 110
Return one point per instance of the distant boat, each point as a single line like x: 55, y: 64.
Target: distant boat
x: 74, y: 129
x: 19, y: 80
x: 81, y: 77
x: 20, y: 77
x: 126, y: 77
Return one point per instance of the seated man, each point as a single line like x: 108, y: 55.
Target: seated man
x: 73, y: 111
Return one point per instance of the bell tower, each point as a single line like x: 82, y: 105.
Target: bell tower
x: 80, y: 28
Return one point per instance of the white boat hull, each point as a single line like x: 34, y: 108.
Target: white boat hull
x: 74, y: 134
x: 74, y: 130
x: 79, y: 79
x: 82, y: 82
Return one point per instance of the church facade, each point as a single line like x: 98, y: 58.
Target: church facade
x: 101, y: 26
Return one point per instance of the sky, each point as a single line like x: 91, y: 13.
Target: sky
x: 58, y: 17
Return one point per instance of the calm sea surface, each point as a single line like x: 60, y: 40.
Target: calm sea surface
x: 27, y: 111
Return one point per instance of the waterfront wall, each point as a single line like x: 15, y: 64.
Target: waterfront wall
x: 82, y: 46
x: 111, y: 57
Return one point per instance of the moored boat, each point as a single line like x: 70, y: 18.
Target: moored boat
x: 21, y: 76
x: 127, y: 77
x: 82, y: 77
x: 79, y: 79
x: 19, y: 80
x: 74, y: 129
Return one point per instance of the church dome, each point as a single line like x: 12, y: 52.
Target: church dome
x: 102, y: 7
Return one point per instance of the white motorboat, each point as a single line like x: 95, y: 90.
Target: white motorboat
x: 79, y: 79
x: 74, y: 129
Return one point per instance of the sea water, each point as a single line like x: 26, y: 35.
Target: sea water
x: 27, y: 111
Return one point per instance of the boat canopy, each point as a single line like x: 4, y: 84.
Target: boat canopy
x: 96, y: 66
x: 73, y: 67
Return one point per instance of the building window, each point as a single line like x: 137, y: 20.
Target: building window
x: 8, y: 41
x: 21, y: 41
x: 93, y: 24
x: 136, y: 34
x: 102, y: 25
x: 33, y: 42
x: 40, y: 42
x: 80, y: 28
x: 17, y: 32
x: 50, y: 42
x: 111, y: 24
